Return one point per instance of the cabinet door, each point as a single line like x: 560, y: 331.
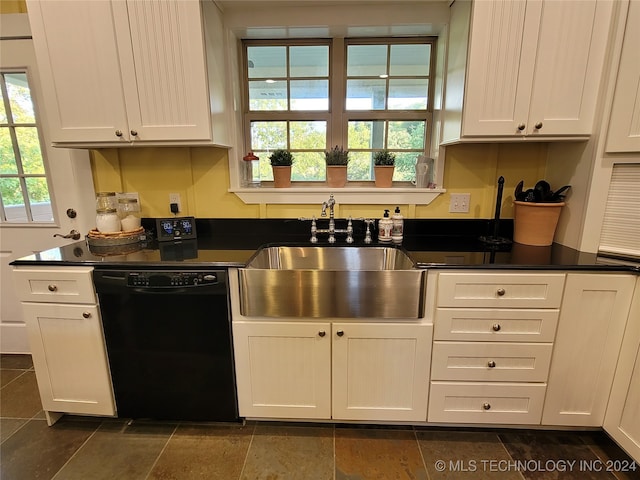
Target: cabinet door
x: 283, y: 369
x: 78, y: 59
x: 161, y: 47
x: 592, y: 321
x: 624, y: 129
x: 69, y: 357
x: 572, y: 44
x: 381, y: 371
x: 622, y: 420
x: 502, y: 53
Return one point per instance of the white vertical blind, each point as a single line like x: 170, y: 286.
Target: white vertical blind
x: 621, y: 228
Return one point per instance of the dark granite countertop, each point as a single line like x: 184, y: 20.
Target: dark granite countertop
x: 231, y: 243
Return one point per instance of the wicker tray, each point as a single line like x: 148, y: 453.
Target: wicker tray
x: 98, y: 239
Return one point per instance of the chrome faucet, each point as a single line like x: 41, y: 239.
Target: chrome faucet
x: 328, y: 203
x: 332, y: 231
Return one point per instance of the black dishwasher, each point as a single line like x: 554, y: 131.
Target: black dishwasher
x: 168, y: 337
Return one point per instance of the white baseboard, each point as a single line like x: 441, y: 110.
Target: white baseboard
x: 13, y: 338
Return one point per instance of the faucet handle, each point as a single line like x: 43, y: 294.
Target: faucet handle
x: 367, y: 236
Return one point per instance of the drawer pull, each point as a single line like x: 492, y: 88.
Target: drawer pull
x: 491, y: 364
x: 486, y: 406
x: 86, y: 314
x: 52, y: 288
x: 496, y: 327
x: 321, y: 333
x: 500, y: 292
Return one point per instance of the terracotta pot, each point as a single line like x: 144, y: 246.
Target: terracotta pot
x: 336, y: 175
x: 535, y: 223
x: 384, y: 175
x: 281, y: 176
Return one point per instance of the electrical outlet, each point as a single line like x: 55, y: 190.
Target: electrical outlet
x: 175, y: 198
x: 459, y: 203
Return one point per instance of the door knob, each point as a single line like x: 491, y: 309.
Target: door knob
x: 340, y: 333
x: 538, y: 125
x: 321, y: 333
x: 74, y: 234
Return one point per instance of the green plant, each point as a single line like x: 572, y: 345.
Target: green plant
x: 384, y: 158
x: 281, y: 158
x: 337, y: 156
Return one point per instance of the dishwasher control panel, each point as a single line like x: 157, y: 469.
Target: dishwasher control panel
x: 172, y: 279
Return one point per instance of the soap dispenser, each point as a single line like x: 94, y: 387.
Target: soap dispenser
x: 385, y: 225
x: 398, y: 226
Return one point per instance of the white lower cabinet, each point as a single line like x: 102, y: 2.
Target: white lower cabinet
x: 622, y: 420
x: 283, y: 369
x: 380, y: 371
x: 66, y: 339
x: 484, y: 402
x: 594, y: 312
x: 319, y: 370
x: 69, y: 358
x: 493, y: 338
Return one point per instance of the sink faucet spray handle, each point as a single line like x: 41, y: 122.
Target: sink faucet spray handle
x: 367, y: 235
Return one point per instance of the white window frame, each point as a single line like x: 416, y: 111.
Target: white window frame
x: 46, y: 208
x: 404, y: 193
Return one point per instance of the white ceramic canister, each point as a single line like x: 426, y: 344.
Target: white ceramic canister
x: 107, y: 220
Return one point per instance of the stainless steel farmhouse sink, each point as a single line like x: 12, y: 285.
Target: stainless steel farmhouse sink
x: 331, y: 282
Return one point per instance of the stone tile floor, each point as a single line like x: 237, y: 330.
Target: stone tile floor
x: 89, y: 448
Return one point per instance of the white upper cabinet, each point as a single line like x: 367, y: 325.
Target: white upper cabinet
x: 533, y: 69
x: 624, y: 128
x: 122, y: 72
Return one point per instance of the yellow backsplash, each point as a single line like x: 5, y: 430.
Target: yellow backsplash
x: 201, y: 176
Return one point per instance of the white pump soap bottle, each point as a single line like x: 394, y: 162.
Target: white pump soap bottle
x: 385, y: 225
x: 398, y: 226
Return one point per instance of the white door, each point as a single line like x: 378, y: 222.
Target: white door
x: 380, y: 371
x: 68, y: 178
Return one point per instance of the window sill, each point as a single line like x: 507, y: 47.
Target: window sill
x: 346, y: 195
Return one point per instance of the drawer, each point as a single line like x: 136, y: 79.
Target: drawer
x: 493, y: 362
x: 504, y: 325
x: 491, y: 403
x: 55, y: 285
x: 516, y: 290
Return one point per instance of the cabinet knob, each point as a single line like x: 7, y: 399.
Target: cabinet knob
x: 118, y: 133
x: 486, y: 406
x: 52, y: 288
x: 134, y: 133
x: 538, y: 125
x: 496, y: 327
x: 321, y: 333
x: 86, y: 314
x: 340, y: 333
x: 521, y: 126
x: 501, y: 292
x: 491, y: 364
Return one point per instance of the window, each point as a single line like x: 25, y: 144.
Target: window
x: 24, y: 190
x: 301, y: 97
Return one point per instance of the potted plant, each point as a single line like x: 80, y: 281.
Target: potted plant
x: 384, y: 163
x: 281, y: 161
x: 337, y: 160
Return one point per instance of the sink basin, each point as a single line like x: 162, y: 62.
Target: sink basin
x: 331, y: 258
x: 331, y: 282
